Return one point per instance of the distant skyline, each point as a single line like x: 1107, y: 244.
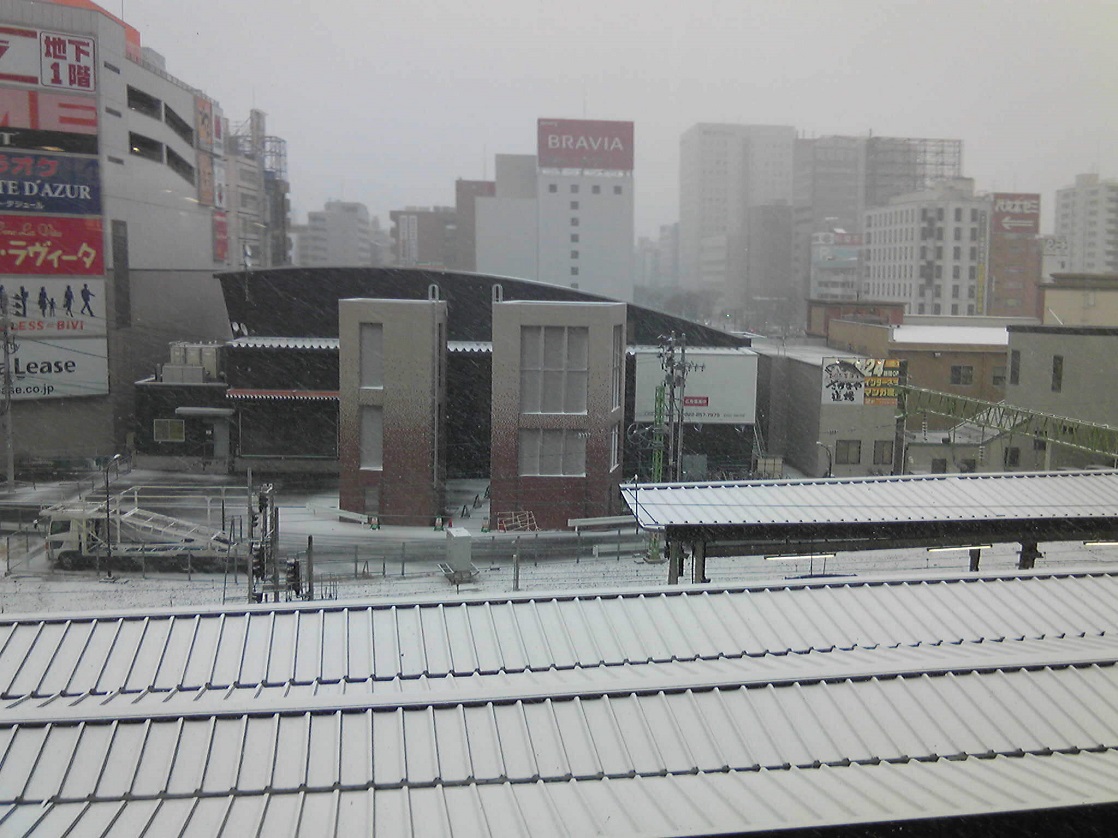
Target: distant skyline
x: 388, y: 104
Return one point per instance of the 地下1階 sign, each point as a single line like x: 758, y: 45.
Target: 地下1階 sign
x: 57, y: 369
x: 45, y: 246
x: 48, y: 59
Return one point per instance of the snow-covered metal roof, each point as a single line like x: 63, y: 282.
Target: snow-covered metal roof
x: 903, y: 499
x: 482, y: 346
x: 261, y: 342
x: 661, y: 711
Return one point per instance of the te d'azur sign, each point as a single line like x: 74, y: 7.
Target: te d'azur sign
x: 49, y: 183
x: 585, y: 144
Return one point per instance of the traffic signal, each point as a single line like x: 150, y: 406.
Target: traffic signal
x: 258, y: 568
x: 294, y: 579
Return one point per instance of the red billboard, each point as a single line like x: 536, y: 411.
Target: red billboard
x: 585, y: 144
x: 1016, y: 213
x: 39, y: 246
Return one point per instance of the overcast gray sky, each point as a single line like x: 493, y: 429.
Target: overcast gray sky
x: 388, y: 102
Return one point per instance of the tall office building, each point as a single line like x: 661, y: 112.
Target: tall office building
x: 256, y: 194
x: 929, y: 250
x: 425, y: 236
x: 565, y: 216
x: 1087, y: 219
x: 838, y: 178
x: 339, y: 235
x: 726, y: 171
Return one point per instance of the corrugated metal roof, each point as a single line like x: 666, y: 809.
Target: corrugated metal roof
x: 663, y: 712
x: 878, y: 500
x: 732, y: 802
x: 253, y: 394
x: 261, y: 342
x: 255, y: 647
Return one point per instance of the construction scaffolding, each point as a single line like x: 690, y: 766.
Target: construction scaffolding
x: 898, y: 165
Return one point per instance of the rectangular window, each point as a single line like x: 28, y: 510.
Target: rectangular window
x: 574, y: 238
x: 179, y: 125
x: 1015, y: 366
x: 939, y: 465
x: 372, y: 355
x: 956, y: 253
x: 614, y: 447
x: 574, y: 254
x: 372, y: 437
x: 574, y: 188
x: 574, y: 205
x: 144, y: 103
x: 962, y: 375
x: 958, y: 213
x: 848, y: 452
x: 1057, y: 373
x: 1012, y: 457
x: 168, y: 430
x: 551, y: 187
x: 546, y: 452
x: 574, y: 271
x: 597, y: 190
x: 145, y: 147
x: 618, y: 364
x: 883, y: 452
x: 617, y: 190
x: 180, y: 167
x: 574, y: 222
x: 553, y: 369
x: 998, y: 377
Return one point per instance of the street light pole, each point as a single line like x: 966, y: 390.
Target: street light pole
x: 830, y: 459
x: 108, y: 520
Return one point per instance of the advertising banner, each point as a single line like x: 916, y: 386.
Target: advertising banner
x: 585, y: 144
x: 44, y: 246
x: 1016, y: 213
x: 39, y: 307
x: 19, y: 55
x: 219, y: 184
x: 856, y: 381
x: 49, y: 369
x: 204, y: 123
x: 43, y: 111
x: 721, y: 386
x: 205, y: 171
x: 221, y: 237
x: 49, y: 183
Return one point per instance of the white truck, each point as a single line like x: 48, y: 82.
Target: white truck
x: 76, y: 537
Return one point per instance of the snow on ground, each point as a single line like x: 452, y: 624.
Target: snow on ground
x: 401, y: 561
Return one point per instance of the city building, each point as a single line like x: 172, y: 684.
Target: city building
x: 1087, y: 219
x: 566, y: 215
x: 465, y: 208
x: 341, y: 234
x: 837, y: 178
x: 836, y: 266
x: 392, y: 408
x: 929, y: 250
x: 123, y: 247
x: 425, y: 237
x: 256, y: 194
x: 1015, y: 262
x: 725, y: 172
x: 281, y: 396
x: 1081, y: 300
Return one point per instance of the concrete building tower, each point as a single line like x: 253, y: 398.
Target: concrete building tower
x: 1087, y: 219
x: 340, y: 235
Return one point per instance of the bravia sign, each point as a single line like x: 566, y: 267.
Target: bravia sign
x: 585, y: 144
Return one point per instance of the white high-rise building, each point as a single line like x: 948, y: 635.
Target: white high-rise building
x: 566, y: 215
x: 726, y: 170
x: 928, y: 249
x: 340, y: 235
x: 1087, y: 219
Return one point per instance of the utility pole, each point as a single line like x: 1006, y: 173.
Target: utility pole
x: 9, y: 444
x: 676, y: 366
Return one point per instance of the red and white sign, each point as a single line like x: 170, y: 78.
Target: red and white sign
x: 585, y: 144
x: 39, y: 246
x: 43, y: 111
x: 67, y: 61
x: 221, y: 237
x: 696, y: 401
x: 1016, y: 213
x: 19, y: 55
